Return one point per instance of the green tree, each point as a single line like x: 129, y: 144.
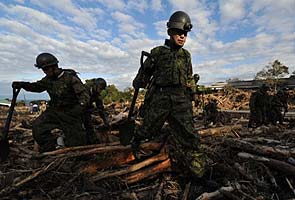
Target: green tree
x: 112, y: 94
x: 272, y: 72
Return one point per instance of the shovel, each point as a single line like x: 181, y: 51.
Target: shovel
x: 4, y: 144
x: 127, y: 129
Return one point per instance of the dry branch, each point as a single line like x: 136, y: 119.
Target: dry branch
x: 218, y: 193
x: 279, y: 165
x: 220, y: 130
x: 34, y: 175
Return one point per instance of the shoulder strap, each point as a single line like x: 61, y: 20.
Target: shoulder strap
x: 71, y: 71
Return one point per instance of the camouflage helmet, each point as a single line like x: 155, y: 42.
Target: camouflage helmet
x: 101, y: 82
x: 180, y: 20
x: 44, y: 60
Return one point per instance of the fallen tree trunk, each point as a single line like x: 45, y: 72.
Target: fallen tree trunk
x: 259, y: 149
x: 279, y: 165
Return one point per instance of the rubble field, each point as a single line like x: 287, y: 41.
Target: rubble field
x: 242, y: 163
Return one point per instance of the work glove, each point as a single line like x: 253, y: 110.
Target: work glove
x: 19, y: 84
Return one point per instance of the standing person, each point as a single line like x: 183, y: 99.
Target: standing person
x: 278, y: 107
x: 168, y: 72
x: 211, y: 112
x: 94, y: 87
x: 68, y: 97
x: 259, y: 107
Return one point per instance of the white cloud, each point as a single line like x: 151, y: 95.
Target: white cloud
x: 137, y: 5
x: 157, y: 5
x: 232, y: 10
x: 78, y: 15
x: 274, y: 16
x: 37, y: 20
x: 113, y: 4
x: 105, y: 37
x: 128, y: 25
x: 20, y: 1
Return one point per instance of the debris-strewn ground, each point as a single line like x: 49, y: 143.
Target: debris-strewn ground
x: 242, y: 163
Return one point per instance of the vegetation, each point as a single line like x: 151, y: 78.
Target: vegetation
x: 112, y: 94
x: 272, y: 72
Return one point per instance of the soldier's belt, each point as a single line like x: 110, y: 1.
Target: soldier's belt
x: 170, y: 87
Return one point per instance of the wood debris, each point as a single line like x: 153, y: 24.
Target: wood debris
x: 242, y: 163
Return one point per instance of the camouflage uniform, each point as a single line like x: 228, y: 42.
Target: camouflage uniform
x: 95, y: 104
x: 67, y: 98
x: 259, y: 105
x: 168, y: 99
x: 278, y: 104
x: 210, y: 112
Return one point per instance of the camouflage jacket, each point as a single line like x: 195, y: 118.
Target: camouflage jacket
x: 66, y: 90
x: 166, y: 67
x: 95, y: 97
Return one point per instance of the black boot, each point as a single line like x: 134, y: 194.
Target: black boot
x: 135, y: 145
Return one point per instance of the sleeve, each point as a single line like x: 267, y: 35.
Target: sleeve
x: 100, y: 109
x: 38, y: 86
x: 80, y: 91
x: 190, y: 83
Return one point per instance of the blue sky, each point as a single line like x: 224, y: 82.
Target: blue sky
x: 104, y: 38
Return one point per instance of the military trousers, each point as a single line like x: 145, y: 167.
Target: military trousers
x: 174, y: 106
x: 69, y: 120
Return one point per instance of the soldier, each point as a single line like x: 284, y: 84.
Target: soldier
x: 278, y: 104
x: 95, y: 87
x: 259, y: 104
x: 168, y: 72
x: 68, y: 97
x: 210, y: 112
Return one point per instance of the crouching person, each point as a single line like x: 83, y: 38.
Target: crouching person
x: 68, y: 96
x: 94, y: 87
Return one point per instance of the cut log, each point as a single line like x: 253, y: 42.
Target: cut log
x: 160, y: 157
x: 148, y: 172
x: 117, y: 159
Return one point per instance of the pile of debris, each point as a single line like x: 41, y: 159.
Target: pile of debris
x: 242, y: 164
x: 236, y: 99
